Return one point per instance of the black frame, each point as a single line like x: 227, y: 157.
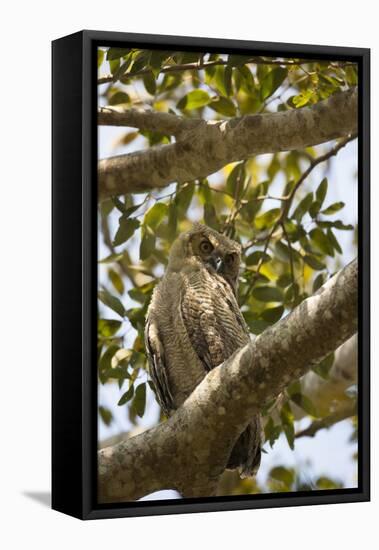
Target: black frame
x: 74, y: 391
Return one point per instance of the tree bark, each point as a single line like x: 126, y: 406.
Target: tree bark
x: 204, y: 147
x: 189, y: 452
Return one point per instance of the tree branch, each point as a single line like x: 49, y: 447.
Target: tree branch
x: 189, y: 452
x: 104, y: 79
x: 204, y: 147
x: 164, y: 123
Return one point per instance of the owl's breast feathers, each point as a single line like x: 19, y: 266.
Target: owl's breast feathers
x: 193, y: 325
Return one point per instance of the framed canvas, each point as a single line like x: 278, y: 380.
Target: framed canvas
x: 210, y: 275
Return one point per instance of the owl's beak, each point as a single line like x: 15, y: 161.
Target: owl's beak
x: 219, y: 264
x: 215, y: 261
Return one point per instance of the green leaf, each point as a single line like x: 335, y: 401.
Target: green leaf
x: 314, y: 209
x: 157, y: 58
x: 272, y: 432
x: 272, y: 81
x: 194, y: 100
x: 333, y: 240
x: 313, y: 262
x: 235, y: 179
x: 284, y: 280
x: 106, y: 207
x: 127, y: 138
x: 100, y: 57
x: 267, y: 219
x: 119, y: 373
x: 322, y: 242
x: 116, y: 280
x: 114, y: 65
x: 323, y: 368
x: 156, y: 214
x: 285, y: 475
x: 305, y: 403
x: 139, y: 401
x: 116, y: 53
x: 119, y: 98
x: 140, y: 294
x: 318, y: 282
x: 248, y: 83
x: 119, y: 204
x: 111, y: 301
x: 303, y: 207
x: 228, y: 80
x: 292, y: 293
x: 237, y: 60
x: 302, y: 99
x: 183, y: 197
x: 127, y: 227
x: 338, y: 224
x: 272, y: 314
x: 149, y: 83
x: 172, y: 221
x: 223, y: 105
x: 256, y: 257
x: 105, y: 362
x: 107, y: 328
x: 220, y: 80
x: 333, y: 208
x: 126, y: 396
x: 321, y: 191
x: 147, y: 247
x: 112, y: 258
x: 128, y: 211
x: 105, y: 415
x: 267, y: 294
x: 256, y: 326
x: 287, y: 418
x: 283, y: 252
x: 210, y: 216
x: 324, y: 482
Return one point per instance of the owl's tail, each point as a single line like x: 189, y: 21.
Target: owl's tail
x: 246, y: 453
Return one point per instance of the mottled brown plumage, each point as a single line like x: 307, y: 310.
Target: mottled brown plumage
x: 194, y: 324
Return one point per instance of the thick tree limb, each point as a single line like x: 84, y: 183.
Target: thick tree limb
x: 328, y: 396
x: 203, y: 147
x: 189, y: 451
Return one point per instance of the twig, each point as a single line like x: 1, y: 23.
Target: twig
x: 342, y: 413
x: 104, y: 79
x: 287, y: 205
x: 290, y: 253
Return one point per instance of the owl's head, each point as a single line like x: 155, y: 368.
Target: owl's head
x: 205, y: 247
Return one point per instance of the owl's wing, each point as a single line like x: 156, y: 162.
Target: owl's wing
x: 213, y: 321
x: 156, y: 359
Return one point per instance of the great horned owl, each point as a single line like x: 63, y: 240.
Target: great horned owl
x: 194, y: 324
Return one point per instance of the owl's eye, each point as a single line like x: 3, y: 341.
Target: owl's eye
x: 230, y: 259
x: 206, y: 247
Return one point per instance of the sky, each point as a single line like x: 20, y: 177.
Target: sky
x: 330, y: 451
